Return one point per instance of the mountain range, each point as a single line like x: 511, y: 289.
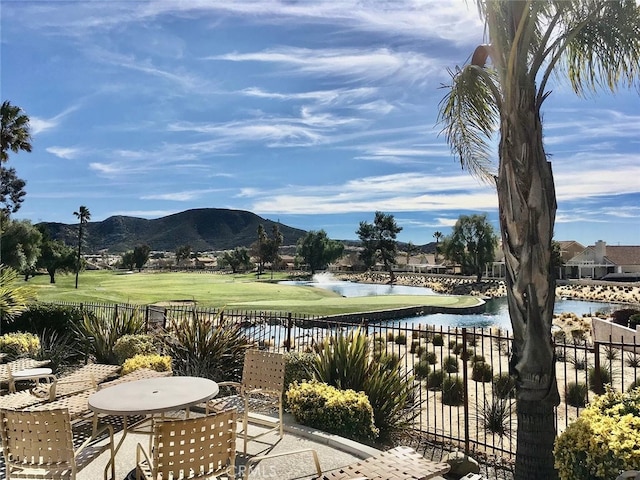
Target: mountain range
x: 203, y: 229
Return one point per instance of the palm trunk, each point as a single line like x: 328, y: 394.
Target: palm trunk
x: 527, y: 201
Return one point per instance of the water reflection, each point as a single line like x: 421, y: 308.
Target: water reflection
x: 496, y: 312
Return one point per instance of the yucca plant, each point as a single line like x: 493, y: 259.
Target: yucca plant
x: 206, y: 346
x: 101, y: 332
x: 346, y: 362
x: 576, y: 394
x: 495, y: 417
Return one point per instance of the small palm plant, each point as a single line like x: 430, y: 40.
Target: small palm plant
x: 14, y: 298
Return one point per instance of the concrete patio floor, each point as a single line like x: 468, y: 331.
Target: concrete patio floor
x: 333, y: 452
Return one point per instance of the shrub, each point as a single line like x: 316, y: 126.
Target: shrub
x: 597, y: 385
x: 19, y: 344
x: 345, y: 362
x: 430, y: 357
x: 495, y: 417
x: 611, y: 353
x: 603, y: 441
x: 632, y: 360
x: 208, y: 347
x: 622, y: 316
x: 634, y: 384
x: 414, y: 346
x: 634, y: 320
x: 128, y: 346
x: 478, y: 358
x: 579, y: 363
x: 101, y: 332
x: 44, y: 316
x: 504, y: 386
x: 298, y: 367
x: 421, y: 369
x: 420, y: 351
x: 482, y: 372
x: 390, y: 336
x: 576, y: 394
x: 156, y: 362
x: 401, y: 339
x: 450, y: 364
x: 343, y: 412
x: 434, y: 380
x: 437, y: 340
x: 453, y: 346
x: 467, y: 355
x: 452, y: 390
x: 60, y: 349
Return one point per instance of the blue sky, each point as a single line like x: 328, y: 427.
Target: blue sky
x: 313, y: 113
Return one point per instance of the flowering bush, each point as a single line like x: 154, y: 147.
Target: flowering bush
x: 344, y: 412
x: 159, y: 363
x: 604, y: 441
x: 129, y: 345
x: 19, y: 344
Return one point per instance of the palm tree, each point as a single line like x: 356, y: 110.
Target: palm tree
x: 84, y: 216
x: 14, y: 131
x: 595, y: 44
x: 15, y: 135
x: 437, y: 235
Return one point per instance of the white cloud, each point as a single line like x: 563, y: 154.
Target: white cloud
x: 67, y: 153
x: 180, y: 196
x: 39, y: 125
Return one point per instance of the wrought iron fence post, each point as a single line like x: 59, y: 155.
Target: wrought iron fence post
x: 597, y: 378
x: 465, y: 382
x: 289, y: 327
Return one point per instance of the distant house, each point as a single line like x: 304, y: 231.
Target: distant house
x: 607, y: 262
x: 569, y: 249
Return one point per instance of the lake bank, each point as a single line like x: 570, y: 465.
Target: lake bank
x: 627, y: 293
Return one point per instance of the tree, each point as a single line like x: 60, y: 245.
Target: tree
x: 238, y: 260
x: 21, y: 246
x: 141, y: 256
x: 15, y: 136
x: 128, y: 260
x: 55, y: 256
x: 266, y: 249
x: 183, y: 253
x: 410, y: 249
x: 557, y: 262
x: 438, y: 236
x: 317, y: 250
x: 379, y: 242
x: 84, y: 215
x: 596, y: 45
x: 472, y: 244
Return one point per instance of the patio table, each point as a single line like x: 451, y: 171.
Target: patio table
x: 150, y: 396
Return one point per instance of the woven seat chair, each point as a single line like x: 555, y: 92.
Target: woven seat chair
x: 262, y: 384
x: 629, y: 475
x: 191, y: 448
x: 17, y: 365
x: 85, y: 378
x: 39, y: 444
x: 399, y: 463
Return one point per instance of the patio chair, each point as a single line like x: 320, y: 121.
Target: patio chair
x: 84, y: 378
x: 8, y: 370
x: 40, y: 445
x: 191, y: 448
x: 399, y: 463
x: 262, y: 385
x: 629, y: 475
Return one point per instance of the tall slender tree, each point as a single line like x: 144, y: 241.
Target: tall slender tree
x: 84, y: 215
x: 15, y: 136
x: 596, y: 45
x: 438, y: 236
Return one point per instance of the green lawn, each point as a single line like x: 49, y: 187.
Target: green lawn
x: 241, y: 292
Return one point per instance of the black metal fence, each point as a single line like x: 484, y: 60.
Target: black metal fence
x: 464, y: 392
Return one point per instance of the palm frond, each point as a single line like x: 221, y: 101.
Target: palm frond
x: 14, y: 298
x: 469, y: 115
x: 604, y: 53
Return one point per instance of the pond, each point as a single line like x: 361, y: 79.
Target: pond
x: 496, y: 312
